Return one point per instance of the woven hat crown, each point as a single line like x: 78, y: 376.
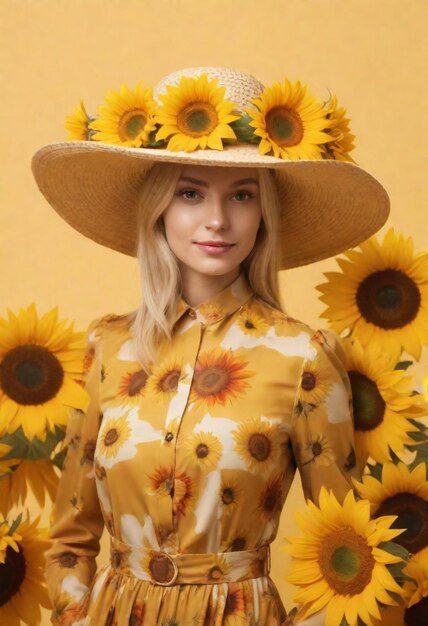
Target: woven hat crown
x: 240, y: 88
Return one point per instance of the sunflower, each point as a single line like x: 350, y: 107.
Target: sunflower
x: 230, y: 491
x: 403, y: 493
x: 219, y: 569
x: 164, y: 380
x: 22, y: 587
x: 115, y: 432
x: 40, y: 360
x: 219, y: 376
x: 382, y: 403
x: 195, y: 115
x: 318, y: 450
x: 341, y: 142
x: 270, y: 498
x: 77, y: 124
x: 381, y: 295
x: 205, y: 449
x: 341, y: 562
x: 315, y: 383
x: 183, y: 495
x: 127, y: 118
x: 234, y: 609
x: 291, y: 123
x: 39, y: 477
x: 257, y: 443
x: 252, y: 324
x: 132, y: 385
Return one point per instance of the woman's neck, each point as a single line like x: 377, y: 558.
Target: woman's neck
x: 197, y: 288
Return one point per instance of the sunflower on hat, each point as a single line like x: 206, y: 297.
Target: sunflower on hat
x: 195, y: 115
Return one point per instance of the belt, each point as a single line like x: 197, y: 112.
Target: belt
x: 165, y: 568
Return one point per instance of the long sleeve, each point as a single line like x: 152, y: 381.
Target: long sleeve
x: 76, y: 521
x: 322, y: 425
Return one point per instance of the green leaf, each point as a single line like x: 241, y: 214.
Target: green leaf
x: 153, y: 142
x: 34, y: 450
x: 16, y: 522
x: 394, y: 458
x: 403, y: 365
x: 394, y: 548
x: 243, y: 130
x: 375, y: 471
x: 59, y: 458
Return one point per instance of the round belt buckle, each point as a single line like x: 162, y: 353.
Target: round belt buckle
x: 163, y: 569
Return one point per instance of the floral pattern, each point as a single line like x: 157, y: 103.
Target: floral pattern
x: 188, y: 467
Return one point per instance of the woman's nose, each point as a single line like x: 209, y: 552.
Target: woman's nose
x: 216, y: 218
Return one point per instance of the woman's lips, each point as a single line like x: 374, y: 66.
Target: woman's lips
x: 214, y: 247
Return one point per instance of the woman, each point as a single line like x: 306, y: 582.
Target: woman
x: 204, y: 400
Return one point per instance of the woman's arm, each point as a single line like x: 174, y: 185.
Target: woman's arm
x: 322, y: 425
x: 76, y: 520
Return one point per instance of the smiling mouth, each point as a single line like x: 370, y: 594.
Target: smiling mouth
x: 214, y: 247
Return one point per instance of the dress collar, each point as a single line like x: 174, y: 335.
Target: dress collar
x: 218, y: 306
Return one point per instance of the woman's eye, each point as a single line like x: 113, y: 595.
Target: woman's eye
x: 189, y: 194
x: 241, y: 196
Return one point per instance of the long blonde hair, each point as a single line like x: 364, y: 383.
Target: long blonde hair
x: 159, y: 272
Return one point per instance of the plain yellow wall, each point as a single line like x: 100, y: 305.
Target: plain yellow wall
x: 371, y: 53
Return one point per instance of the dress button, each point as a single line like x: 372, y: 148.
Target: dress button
x: 169, y: 436
x: 192, y: 314
x: 163, y: 569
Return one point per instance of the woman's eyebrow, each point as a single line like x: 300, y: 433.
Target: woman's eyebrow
x: 245, y: 181
x: 235, y: 183
x: 195, y: 181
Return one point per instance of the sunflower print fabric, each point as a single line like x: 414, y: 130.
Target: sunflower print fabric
x: 188, y: 466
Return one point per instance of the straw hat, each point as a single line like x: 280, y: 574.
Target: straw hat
x: 328, y: 204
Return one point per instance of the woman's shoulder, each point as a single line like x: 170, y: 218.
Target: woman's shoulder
x: 109, y: 323
x: 318, y: 339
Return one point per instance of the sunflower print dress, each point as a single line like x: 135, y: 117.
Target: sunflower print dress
x: 188, y: 466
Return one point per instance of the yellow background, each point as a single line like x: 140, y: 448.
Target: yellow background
x: 371, y: 53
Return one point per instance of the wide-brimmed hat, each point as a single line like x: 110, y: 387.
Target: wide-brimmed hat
x: 217, y: 117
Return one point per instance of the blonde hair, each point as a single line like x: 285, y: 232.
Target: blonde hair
x: 159, y: 272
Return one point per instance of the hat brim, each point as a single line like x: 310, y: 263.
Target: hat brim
x: 327, y: 206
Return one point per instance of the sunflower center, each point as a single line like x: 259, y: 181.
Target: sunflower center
x: 111, y: 437
x: 12, y: 574
x: 389, y: 299
x: 212, y: 380
x: 169, y: 382
x: 316, y: 448
x: 271, y: 498
x: 227, y: 495
x: 238, y: 544
x: 249, y: 324
x: 346, y: 561
x: 308, y: 381
x: 202, y: 451
x: 137, y: 382
x: 131, y: 124
x: 31, y: 374
x: 368, y: 404
x: 197, y: 119
x: 259, y: 446
x: 412, y: 512
x: 284, y: 126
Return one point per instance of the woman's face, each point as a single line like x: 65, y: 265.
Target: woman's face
x: 212, y: 221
